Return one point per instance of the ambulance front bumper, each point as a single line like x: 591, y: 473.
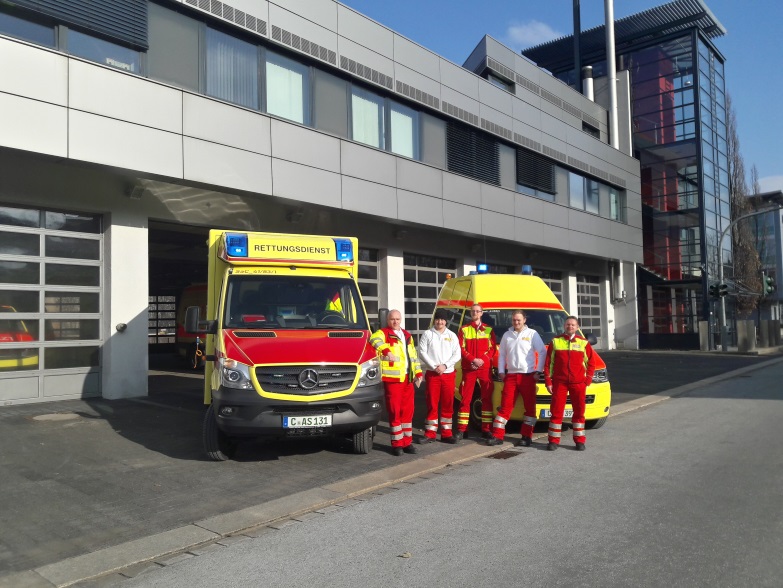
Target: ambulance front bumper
x: 243, y: 413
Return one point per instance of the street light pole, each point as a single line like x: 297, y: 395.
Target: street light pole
x: 724, y: 336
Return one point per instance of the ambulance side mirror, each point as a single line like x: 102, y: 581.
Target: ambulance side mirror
x: 194, y: 325
x: 383, y: 316
x: 592, y: 339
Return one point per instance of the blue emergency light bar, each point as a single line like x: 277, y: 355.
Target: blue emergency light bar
x: 482, y: 268
x: 527, y: 270
x: 343, y: 249
x: 236, y: 244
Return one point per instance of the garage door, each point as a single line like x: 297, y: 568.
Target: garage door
x: 51, y: 278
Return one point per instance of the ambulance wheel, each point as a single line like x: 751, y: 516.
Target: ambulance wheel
x: 362, y: 441
x: 597, y: 424
x: 475, y: 409
x: 218, y: 445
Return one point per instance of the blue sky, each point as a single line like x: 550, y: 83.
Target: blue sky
x: 752, y: 46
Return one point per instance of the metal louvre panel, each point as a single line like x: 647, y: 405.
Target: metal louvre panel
x: 124, y: 20
x: 535, y: 171
x: 285, y: 379
x: 472, y: 153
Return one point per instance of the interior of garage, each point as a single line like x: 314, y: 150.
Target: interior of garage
x: 178, y: 259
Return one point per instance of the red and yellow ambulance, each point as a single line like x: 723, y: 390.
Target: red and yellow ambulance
x: 501, y: 294
x: 286, y: 341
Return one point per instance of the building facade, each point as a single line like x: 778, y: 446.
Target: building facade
x: 678, y: 126
x: 129, y: 129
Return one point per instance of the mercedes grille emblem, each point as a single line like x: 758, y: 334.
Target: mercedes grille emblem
x: 308, y: 379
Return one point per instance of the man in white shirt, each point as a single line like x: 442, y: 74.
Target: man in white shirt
x: 520, y: 360
x: 439, y: 352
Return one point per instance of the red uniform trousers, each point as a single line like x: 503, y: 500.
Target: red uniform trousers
x: 440, y: 392
x: 487, y: 386
x: 517, y: 384
x: 560, y: 392
x: 399, y: 405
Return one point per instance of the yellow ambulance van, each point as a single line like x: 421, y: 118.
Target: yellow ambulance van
x: 499, y: 295
x: 287, y: 342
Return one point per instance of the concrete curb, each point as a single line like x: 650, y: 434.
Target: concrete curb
x: 189, y: 537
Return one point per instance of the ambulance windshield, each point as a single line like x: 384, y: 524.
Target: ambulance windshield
x: 293, y: 302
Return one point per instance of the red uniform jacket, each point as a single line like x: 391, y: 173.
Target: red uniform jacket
x: 477, y: 343
x: 569, y: 360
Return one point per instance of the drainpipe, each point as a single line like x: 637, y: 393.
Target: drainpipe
x: 611, y: 72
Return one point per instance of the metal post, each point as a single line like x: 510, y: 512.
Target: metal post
x: 577, y: 47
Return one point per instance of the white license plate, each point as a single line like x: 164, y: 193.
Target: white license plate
x: 547, y: 414
x: 307, y: 422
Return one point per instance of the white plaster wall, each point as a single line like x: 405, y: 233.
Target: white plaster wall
x: 126, y: 301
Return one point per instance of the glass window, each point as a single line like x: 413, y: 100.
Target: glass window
x: 367, y: 116
x: 72, y: 275
x: 27, y: 31
x: 18, y: 301
x: 72, y: 329
x: 19, y: 243
x: 576, y: 191
x: 103, y: 52
x: 287, y: 88
x: 500, y: 83
x: 71, y: 357
x: 19, y: 272
x: 591, y: 196
x: 19, y: 217
x: 69, y: 221
x: 173, y: 55
x: 70, y: 302
x: 617, y: 204
x: 404, y: 126
x: 232, y: 69
x: 72, y: 248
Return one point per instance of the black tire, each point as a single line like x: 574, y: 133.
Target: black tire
x: 362, y: 441
x: 475, y: 408
x: 597, y: 424
x: 217, y: 445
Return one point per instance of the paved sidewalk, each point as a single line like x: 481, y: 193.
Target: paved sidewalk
x: 93, y: 486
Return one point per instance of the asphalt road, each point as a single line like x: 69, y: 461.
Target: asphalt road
x: 683, y: 493
x: 114, y: 471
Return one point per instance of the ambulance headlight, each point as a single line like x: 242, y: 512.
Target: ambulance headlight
x: 235, y: 375
x: 370, y: 372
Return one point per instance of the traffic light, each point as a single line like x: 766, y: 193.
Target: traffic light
x: 768, y: 285
x: 723, y: 289
x: 713, y: 291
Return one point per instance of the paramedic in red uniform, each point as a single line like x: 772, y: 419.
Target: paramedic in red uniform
x: 399, y: 370
x: 439, y: 353
x: 570, y: 363
x: 520, y: 360
x: 478, y: 346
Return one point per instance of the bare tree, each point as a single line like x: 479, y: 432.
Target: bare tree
x: 746, y: 263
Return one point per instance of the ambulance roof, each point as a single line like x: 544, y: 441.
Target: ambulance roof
x: 498, y: 291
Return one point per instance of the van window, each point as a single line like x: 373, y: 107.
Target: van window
x: 547, y: 323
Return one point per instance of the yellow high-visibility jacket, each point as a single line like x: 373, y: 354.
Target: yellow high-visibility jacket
x: 387, y: 343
